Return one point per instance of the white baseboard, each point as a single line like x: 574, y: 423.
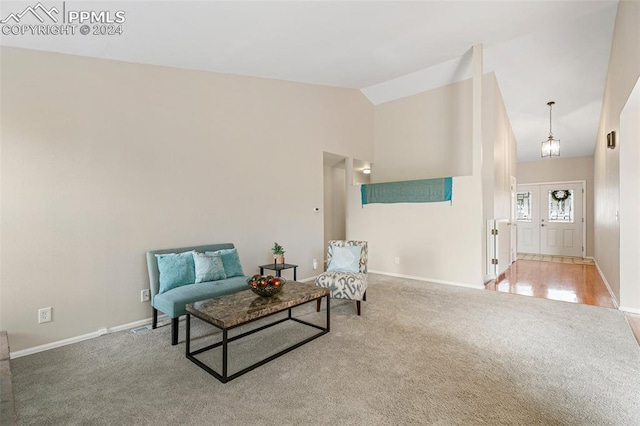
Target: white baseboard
x: 630, y: 310
x: 98, y: 333
x: 76, y: 339
x: 431, y: 280
x: 53, y: 345
x: 606, y: 283
x: 305, y: 280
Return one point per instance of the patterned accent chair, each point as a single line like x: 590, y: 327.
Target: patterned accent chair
x: 346, y: 285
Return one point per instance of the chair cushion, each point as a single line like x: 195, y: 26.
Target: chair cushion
x: 343, y: 285
x: 208, y: 267
x: 345, y: 259
x: 175, y: 270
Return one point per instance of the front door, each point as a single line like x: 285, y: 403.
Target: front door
x: 561, y: 219
x: 550, y: 219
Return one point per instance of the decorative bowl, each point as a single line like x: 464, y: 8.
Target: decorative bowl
x: 266, y: 286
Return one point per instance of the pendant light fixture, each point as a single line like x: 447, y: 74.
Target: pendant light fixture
x: 550, y: 146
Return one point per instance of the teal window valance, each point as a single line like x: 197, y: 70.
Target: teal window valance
x: 411, y: 191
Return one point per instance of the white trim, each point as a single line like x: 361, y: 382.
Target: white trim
x: 553, y: 183
x: 304, y: 280
x: 131, y: 325
x: 431, y: 280
x: 630, y: 310
x: 76, y: 339
x: 53, y: 345
x: 606, y: 283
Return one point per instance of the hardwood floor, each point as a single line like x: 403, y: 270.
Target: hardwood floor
x: 566, y: 281
x: 557, y: 281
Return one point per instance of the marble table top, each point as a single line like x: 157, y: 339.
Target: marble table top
x: 245, y: 306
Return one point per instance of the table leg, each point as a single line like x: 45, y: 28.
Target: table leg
x: 295, y: 273
x: 224, y: 356
x: 328, y: 309
x: 261, y: 271
x: 187, y: 343
x: 278, y: 273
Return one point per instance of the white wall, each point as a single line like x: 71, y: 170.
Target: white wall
x: 622, y: 75
x: 425, y: 135
x: 432, y: 239
x: 498, y: 160
x: 104, y: 160
x: 505, y: 163
x: 560, y: 170
x: 442, y: 242
x: 629, y: 145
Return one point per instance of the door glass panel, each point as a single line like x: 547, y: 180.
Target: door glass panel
x: 561, y: 205
x: 523, y: 206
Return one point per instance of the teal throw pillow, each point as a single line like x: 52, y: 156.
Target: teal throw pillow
x: 231, y: 262
x: 345, y: 259
x: 175, y: 270
x: 208, y: 267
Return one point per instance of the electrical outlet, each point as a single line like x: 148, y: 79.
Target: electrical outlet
x: 397, y: 260
x: 44, y: 315
x: 315, y: 263
x: 145, y: 296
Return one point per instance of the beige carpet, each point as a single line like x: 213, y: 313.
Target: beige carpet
x: 556, y: 259
x: 421, y: 354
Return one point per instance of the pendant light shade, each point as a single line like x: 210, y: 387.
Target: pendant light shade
x: 550, y: 147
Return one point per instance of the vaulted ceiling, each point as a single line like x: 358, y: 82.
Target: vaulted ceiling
x: 539, y: 50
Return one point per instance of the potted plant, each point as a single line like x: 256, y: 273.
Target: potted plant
x: 278, y: 253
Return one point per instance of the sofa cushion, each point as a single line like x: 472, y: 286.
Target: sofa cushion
x: 208, y: 267
x: 175, y: 270
x: 174, y: 301
x: 231, y: 262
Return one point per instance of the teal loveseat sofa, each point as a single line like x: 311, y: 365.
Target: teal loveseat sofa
x: 173, y: 302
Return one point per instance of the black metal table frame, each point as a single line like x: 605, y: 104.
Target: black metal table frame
x: 278, y: 270
x: 224, y: 378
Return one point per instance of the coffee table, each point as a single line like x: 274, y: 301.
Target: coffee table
x: 235, y: 310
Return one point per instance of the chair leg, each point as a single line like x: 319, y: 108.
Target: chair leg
x: 358, y: 306
x: 154, y: 324
x: 364, y: 297
x: 318, y: 304
x: 174, y: 330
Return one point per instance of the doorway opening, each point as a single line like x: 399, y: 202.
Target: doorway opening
x: 334, y: 189
x: 336, y: 181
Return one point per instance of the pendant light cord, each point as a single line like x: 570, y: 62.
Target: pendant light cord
x: 550, y: 107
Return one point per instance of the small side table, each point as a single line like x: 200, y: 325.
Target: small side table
x: 278, y: 267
